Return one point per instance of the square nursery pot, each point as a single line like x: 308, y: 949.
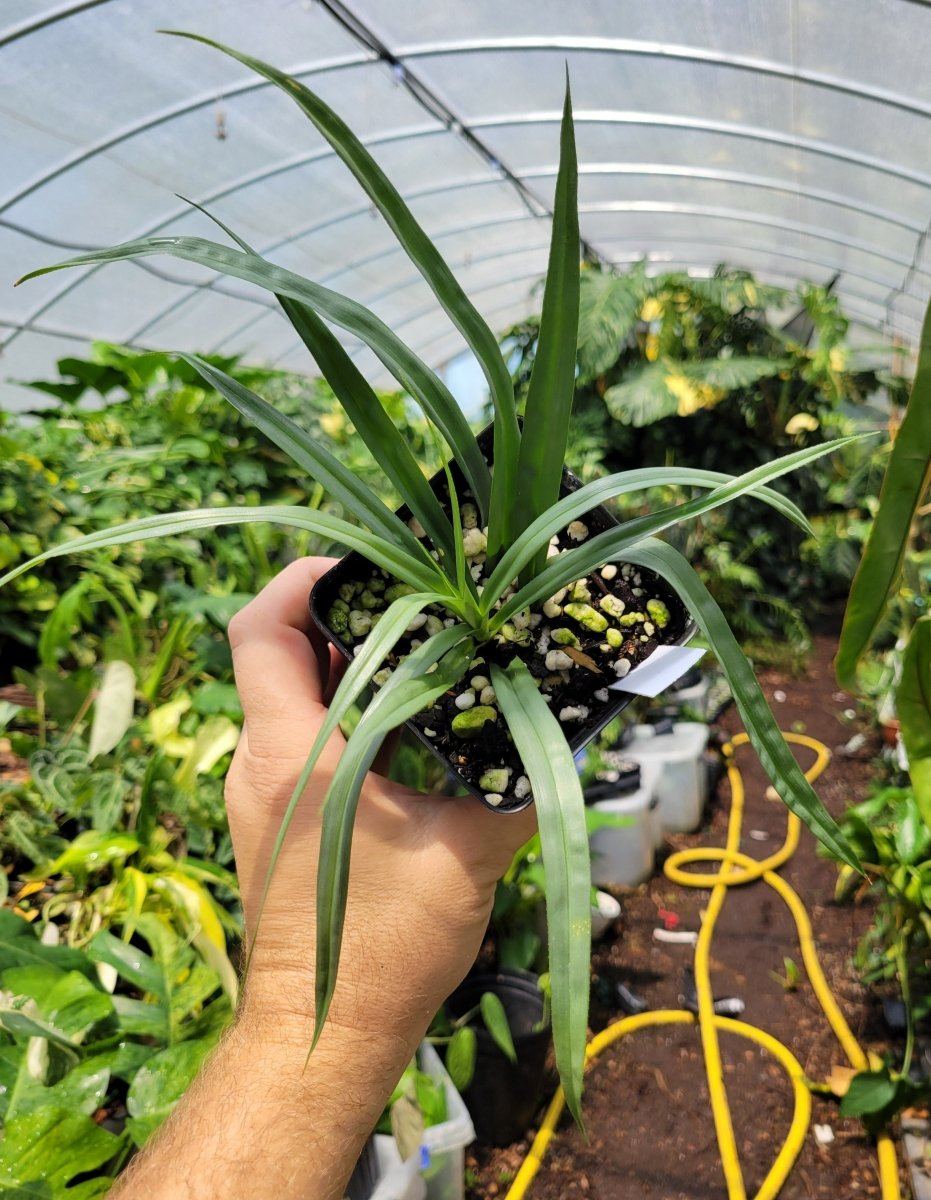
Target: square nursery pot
x: 580, y: 693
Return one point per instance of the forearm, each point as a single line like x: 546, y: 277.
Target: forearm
x: 257, y: 1123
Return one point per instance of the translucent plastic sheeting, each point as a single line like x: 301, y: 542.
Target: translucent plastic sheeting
x: 790, y: 137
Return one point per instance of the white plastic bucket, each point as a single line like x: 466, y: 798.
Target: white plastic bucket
x: 624, y: 856
x: 682, y: 784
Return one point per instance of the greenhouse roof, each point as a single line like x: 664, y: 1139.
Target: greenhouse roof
x: 789, y: 137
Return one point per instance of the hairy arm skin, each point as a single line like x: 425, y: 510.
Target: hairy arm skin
x: 262, y: 1119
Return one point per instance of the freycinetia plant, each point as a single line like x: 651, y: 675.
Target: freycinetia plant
x: 471, y: 561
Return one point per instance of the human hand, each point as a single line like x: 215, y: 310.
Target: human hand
x: 423, y: 868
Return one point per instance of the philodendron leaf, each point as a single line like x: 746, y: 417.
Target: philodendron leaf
x: 113, y: 708
x: 159, y: 1085
x: 913, y: 706
x: 20, y: 947
x: 771, y: 747
x: 49, y: 1147
x: 376, y: 549
x: 905, y: 485
x: 557, y: 794
x: 496, y: 1022
x: 412, y: 687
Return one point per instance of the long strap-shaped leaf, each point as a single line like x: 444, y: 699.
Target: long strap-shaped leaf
x: 907, y: 479
x: 362, y: 407
x: 409, y: 370
x: 379, y: 551
x: 552, y: 381
x: 775, y: 756
x: 913, y: 705
x: 306, y: 451
x: 408, y: 690
x: 576, y: 564
x: 422, y: 253
x: 373, y: 652
x: 578, y: 503
x: 557, y: 795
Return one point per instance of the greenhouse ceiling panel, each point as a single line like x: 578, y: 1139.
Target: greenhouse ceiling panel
x: 790, y: 137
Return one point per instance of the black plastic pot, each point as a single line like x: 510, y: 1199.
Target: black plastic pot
x: 503, y: 1097
x: 355, y: 567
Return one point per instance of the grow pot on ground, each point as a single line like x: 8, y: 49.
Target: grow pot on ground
x: 503, y: 1097
x: 597, y: 632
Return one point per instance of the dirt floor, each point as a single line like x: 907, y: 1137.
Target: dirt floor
x: 646, y: 1102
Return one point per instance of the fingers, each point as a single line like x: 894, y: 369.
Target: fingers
x: 280, y: 661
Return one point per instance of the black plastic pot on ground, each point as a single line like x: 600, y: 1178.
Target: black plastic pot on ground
x: 585, y: 688
x: 503, y: 1097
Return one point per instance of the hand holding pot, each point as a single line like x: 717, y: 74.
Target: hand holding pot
x: 423, y: 868
x: 261, y: 1116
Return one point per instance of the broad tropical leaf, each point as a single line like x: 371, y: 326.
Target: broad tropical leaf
x: 905, y: 485
x: 667, y: 388
x: 557, y: 795
x: 609, y: 309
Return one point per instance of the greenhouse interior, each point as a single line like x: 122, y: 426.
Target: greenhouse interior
x: 465, y: 554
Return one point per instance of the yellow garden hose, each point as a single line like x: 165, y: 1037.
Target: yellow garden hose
x: 736, y: 869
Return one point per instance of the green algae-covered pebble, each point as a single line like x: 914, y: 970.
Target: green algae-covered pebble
x: 612, y: 605
x: 338, y: 619
x: 614, y: 638
x: 397, y: 590
x: 587, y: 616
x: 659, y: 613
x: 631, y: 618
x: 495, y: 780
x: 469, y: 724
x: 564, y: 637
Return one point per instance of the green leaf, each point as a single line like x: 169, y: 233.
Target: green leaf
x: 159, y: 1085
x: 771, y: 747
x: 609, y: 308
x: 496, y: 1022
x: 557, y: 795
x: 551, y: 390
x: 410, y: 689
x: 68, y: 1000
x: 409, y: 370
x: 912, y: 835
x: 92, y: 850
x: 20, y: 947
x: 132, y: 963
x: 577, y: 563
x: 418, y: 247
x: 380, y: 552
x: 376, y: 647
x: 82, y: 1090
x: 460, y: 1057
x: 50, y: 1147
x: 642, y: 396
x: 738, y: 371
x: 113, y: 708
x: 869, y: 1092
x: 905, y: 484
x: 376, y: 429
x: 913, y: 706
x: 579, y: 502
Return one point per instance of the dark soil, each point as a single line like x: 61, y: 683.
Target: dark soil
x: 646, y: 1103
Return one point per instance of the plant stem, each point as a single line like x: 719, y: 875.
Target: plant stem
x: 901, y: 964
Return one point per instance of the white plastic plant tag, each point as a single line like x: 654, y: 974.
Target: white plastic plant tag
x: 661, y: 670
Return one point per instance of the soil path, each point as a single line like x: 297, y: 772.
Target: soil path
x: 646, y: 1102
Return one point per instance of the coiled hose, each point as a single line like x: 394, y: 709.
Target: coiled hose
x: 737, y: 869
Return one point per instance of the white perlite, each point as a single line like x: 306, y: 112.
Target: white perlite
x: 464, y: 700
x: 577, y: 530
x: 521, y: 787
x: 493, y: 798
x: 622, y: 667
x: 573, y: 712
x: 557, y: 660
x: 609, y: 571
